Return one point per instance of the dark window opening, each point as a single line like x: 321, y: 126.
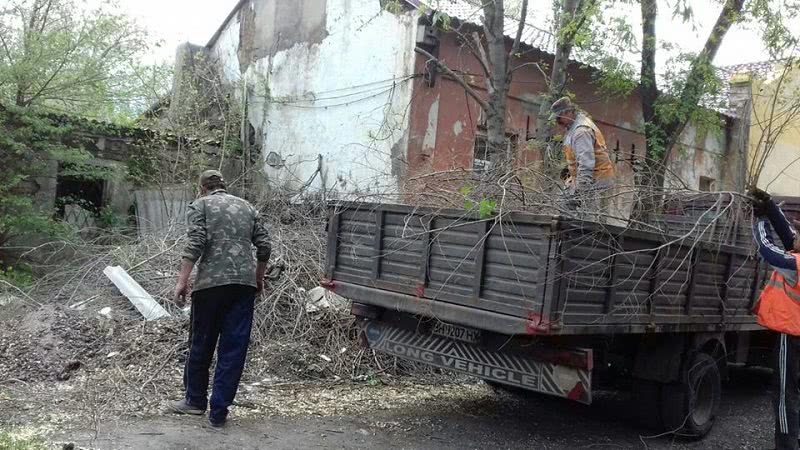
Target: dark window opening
x: 708, y: 184
x: 78, y: 199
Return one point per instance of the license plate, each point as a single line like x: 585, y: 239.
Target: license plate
x: 457, y: 332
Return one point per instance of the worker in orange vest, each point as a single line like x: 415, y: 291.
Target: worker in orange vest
x: 778, y: 309
x: 585, y: 151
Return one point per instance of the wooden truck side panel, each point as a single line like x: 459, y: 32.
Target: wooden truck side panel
x: 559, y: 276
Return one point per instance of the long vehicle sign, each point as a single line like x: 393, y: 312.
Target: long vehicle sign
x: 513, y: 370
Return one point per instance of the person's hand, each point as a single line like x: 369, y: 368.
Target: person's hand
x: 261, y: 270
x: 181, y: 291
x: 760, y: 201
x: 759, y: 194
x: 259, y: 284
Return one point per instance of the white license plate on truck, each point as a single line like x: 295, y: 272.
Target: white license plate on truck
x: 548, y: 377
x: 457, y: 332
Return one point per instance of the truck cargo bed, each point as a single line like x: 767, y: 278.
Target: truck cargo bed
x: 536, y: 274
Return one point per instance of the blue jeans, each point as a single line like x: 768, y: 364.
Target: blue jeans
x: 221, y: 314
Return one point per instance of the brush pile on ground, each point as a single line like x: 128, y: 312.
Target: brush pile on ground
x: 75, y: 325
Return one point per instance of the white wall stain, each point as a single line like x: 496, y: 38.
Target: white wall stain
x: 429, y: 140
x: 458, y: 127
x: 225, y: 51
x: 345, y: 98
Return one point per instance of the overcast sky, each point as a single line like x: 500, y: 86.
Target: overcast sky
x: 176, y: 21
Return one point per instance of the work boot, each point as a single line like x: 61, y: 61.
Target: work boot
x: 216, y: 418
x: 216, y: 423
x: 182, y: 407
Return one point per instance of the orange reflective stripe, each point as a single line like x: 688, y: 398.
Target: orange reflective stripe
x: 572, y: 164
x: 778, y: 306
x: 791, y: 292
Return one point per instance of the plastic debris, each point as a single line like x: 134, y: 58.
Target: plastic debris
x: 320, y: 298
x: 143, y: 301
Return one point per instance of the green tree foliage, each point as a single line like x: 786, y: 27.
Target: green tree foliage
x: 62, y: 57
x: 682, y: 90
x: 29, y: 142
x: 65, y: 55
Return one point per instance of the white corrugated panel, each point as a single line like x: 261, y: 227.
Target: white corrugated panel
x: 161, y: 209
x: 143, y: 301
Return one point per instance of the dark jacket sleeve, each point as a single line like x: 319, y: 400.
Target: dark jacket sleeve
x: 261, y: 239
x: 775, y: 256
x: 781, y: 225
x: 196, y: 231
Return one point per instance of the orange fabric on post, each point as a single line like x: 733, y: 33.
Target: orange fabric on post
x: 778, y: 307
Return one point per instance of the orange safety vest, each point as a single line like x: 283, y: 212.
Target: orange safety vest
x: 603, y: 167
x: 778, y: 307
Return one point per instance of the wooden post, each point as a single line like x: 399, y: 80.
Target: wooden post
x: 378, y: 245
x: 611, y: 288
x: 333, y: 243
x: 653, y: 275
x: 426, y: 252
x: 692, y: 280
x: 479, y: 260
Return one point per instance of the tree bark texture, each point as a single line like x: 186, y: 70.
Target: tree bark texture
x: 558, y: 73
x: 497, y: 82
x: 663, y: 131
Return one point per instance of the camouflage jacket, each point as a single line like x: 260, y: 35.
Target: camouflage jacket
x: 222, y: 230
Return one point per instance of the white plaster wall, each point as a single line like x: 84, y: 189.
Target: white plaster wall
x: 225, y: 50
x: 346, y: 99
x: 686, y: 169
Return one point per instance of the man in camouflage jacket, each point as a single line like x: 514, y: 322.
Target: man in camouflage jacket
x: 222, y: 231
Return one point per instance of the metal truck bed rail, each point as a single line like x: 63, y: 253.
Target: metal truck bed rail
x: 535, y: 274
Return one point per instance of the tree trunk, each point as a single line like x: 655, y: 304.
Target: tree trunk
x: 663, y: 131
x: 558, y: 78
x: 498, y: 81
x: 649, y: 179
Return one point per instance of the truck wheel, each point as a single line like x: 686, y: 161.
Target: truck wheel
x: 689, y: 407
x: 646, y: 398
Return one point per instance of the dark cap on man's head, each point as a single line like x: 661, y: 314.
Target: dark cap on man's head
x: 561, y: 106
x: 210, y: 177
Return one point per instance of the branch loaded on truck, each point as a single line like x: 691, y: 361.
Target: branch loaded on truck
x: 552, y: 305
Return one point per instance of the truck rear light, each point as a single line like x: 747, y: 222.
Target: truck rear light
x: 537, y: 324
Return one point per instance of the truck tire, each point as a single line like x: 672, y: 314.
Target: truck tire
x: 690, y: 406
x: 646, y: 399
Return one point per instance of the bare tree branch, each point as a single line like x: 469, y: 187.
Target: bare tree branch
x: 523, y: 16
x: 482, y: 58
x: 458, y: 78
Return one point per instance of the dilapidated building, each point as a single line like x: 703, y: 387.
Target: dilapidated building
x: 127, y: 172
x: 337, y: 100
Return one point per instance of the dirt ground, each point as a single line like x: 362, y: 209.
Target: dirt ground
x: 418, y: 416
x: 103, y: 386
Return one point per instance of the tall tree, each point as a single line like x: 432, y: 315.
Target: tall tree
x: 573, y: 17
x: 666, y: 117
x: 61, y: 56
x: 493, y: 56
x: 64, y: 55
